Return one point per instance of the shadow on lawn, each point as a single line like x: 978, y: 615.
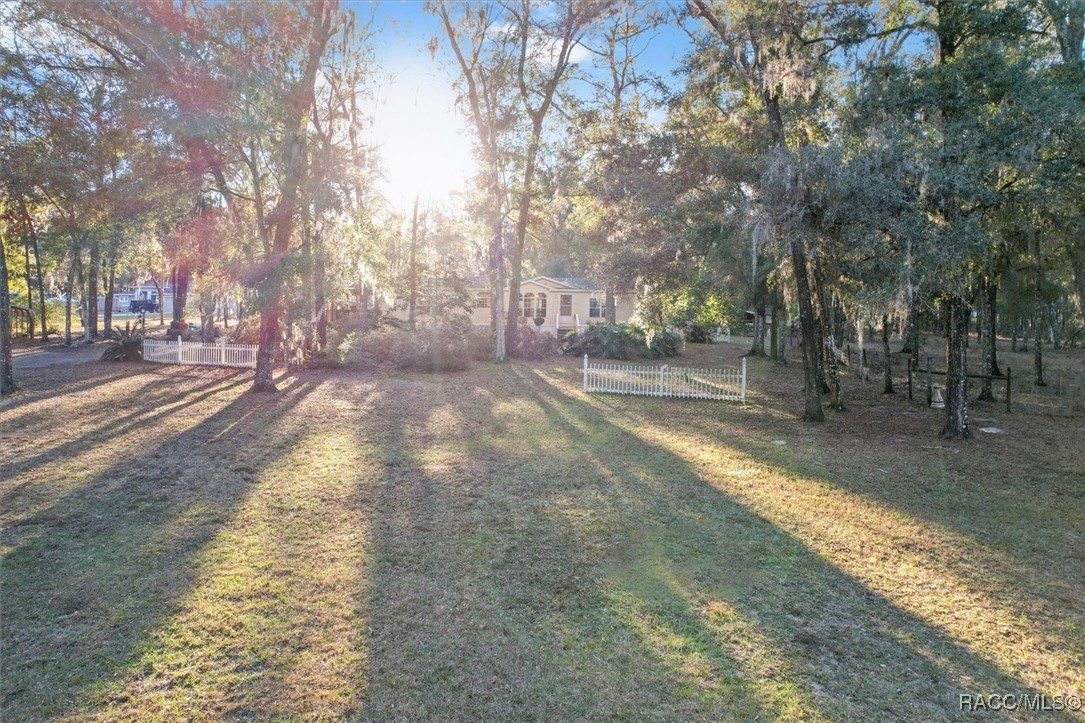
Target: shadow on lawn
x: 535, y: 560
x: 87, y: 578
x: 154, y: 401
x: 37, y: 385
x: 995, y: 523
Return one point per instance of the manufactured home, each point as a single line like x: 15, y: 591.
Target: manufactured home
x: 554, y: 304
x: 561, y: 303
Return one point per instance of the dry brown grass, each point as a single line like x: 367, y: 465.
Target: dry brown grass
x: 496, y: 544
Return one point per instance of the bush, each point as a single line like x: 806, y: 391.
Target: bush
x: 441, y: 347
x: 481, y: 343
x: 246, y: 331
x: 619, y: 341
x: 607, y: 341
x: 534, y: 344
x: 124, y: 345
x: 700, y: 334
x: 664, y: 343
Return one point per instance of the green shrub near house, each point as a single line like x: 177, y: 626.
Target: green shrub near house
x: 621, y: 341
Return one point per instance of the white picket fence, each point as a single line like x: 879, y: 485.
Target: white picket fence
x: 196, y: 352
x: 666, y: 381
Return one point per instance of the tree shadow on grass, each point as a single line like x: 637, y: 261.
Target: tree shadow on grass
x: 688, y: 544
x: 144, y: 406
x: 534, y: 560
x: 974, y: 536
x: 86, y: 579
x: 41, y: 383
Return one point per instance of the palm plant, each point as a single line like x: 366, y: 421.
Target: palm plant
x: 126, y: 345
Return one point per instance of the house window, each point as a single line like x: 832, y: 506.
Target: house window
x: 482, y: 301
x: 540, y: 305
x: 595, y: 308
x: 566, y: 307
x: 529, y: 305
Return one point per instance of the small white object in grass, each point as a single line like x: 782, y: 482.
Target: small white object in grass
x: 779, y: 442
x: 992, y: 430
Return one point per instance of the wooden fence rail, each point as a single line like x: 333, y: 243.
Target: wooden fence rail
x: 931, y: 373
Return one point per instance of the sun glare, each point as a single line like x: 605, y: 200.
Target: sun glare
x: 423, y: 142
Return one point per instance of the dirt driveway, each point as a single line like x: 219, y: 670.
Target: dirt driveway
x: 37, y: 357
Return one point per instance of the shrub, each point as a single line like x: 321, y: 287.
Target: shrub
x: 440, y: 347
x: 124, y: 345
x: 245, y: 331
x: 664, y: 343
x: 607, y: 341
x: 619, y: 341
x: 481, y: 343
x: 700, y: 334
x: 534, y: 344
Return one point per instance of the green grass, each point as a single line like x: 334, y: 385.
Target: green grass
x: 497, y: 545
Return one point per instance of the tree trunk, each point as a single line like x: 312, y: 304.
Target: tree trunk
x: 860, y: 333
x: 29, y: 288
x: 812, y: 410
x: 497, y: 269
x: 957, y: 313
x: 610, y: 306
x: 413, y: 263
x: 73, y: 268
x: 320, y: 301
x: 68, y: 312
x: 33, y: 239
x: 7, y: 374
x: 829, y: 369
x: 514, y: 312
x: 1037, y: 348
x: 988, y: 336
x: 888, y: 387
x: 911, y: 332
x: 774, y: 333
x: 92, y: 287
x: 309, y: 329
x: 181, y: 278
x: 758, y: 346
x: 1038, y: 327
x: 269, y: 341
x: 364, y: 303
x: 161, y: 300
x: 110, y: 289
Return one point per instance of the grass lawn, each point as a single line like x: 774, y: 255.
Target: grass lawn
x: 497, y: 545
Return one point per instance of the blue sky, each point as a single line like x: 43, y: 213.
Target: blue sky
x: 424, y: 140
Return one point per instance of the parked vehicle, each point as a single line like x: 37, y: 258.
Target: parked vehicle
x: 137, y: 306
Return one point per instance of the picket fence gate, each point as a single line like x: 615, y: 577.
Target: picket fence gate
x: 196, y: 352
x: 685, y: 382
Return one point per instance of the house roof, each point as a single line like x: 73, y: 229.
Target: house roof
x: 552, y: 283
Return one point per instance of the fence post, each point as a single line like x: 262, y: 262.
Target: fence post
x: 179, y: 350
x: 909, y: 380
x: 744, y: 379
x: 222, y: 351
x: 662, y: 371
x: 929, y: 360
x: 585, y: 372
x: 1008, y: 372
